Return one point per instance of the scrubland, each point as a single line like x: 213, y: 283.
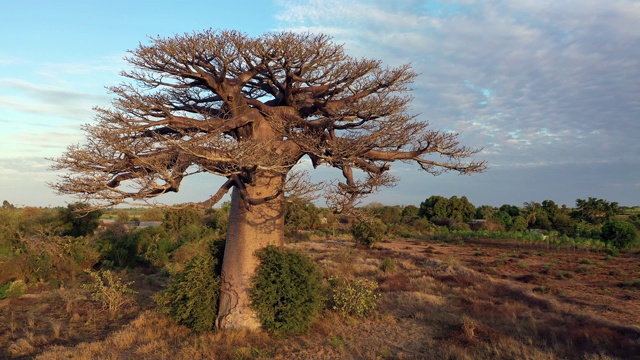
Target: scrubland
x: 439, y: 299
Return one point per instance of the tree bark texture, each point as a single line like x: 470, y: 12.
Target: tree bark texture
x: 250, y: 229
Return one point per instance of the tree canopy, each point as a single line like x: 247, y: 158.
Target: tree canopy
x: 241, y: 107
x: 596, y: 211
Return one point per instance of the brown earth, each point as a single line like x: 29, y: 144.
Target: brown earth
x: 580, y: 281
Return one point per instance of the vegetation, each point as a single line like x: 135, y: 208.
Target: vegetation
x: 12, y: 289
x: 108, y: 288
x: 192, y: 297
x: 286, y: 292
x: 353, y: 297
x: 620, y: 234
x: 388, y: 265
x: 368, y: 233
x: 432, y: 295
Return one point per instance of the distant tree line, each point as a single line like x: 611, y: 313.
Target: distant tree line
x: 591, y: 218
x: 42, y: 244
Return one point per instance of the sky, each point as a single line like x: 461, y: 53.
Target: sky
x: 550, y: 90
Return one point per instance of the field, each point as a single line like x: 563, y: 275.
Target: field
x: 477, y: 299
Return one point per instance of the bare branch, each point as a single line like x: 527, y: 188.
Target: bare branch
x: 245, y: 108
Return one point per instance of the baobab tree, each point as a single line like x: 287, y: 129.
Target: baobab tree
x: 249, y: 109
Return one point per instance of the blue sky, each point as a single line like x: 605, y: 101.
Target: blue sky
x: 550, y: 90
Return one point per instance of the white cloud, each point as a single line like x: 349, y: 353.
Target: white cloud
x: 10, y: 60
x: 566, y: 67
x: 48, y: 100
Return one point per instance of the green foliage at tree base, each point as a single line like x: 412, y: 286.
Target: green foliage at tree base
x: 191, y: 299
x: 286, y: 292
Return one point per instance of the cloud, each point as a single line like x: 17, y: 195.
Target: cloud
x: 23, y: 181
x: 534, y: 83
x: 92, y: 75
x: 47, y: 100
x: 10, y: 60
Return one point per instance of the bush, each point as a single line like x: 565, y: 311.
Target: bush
x: 620, y: 234
x: 153, y: 214
x: 176, y: 219
x: 118, y: 248
x: 79, y: 220
x: 218, y: 218
x: 12, y: 289
x: 286, y: 293
x: 423, y: 226
x: 357, y: 297
x: 191, y: 299
x: 154, y: 245
x: 368, y: 232
x: 388, y: 265
x: 460, y: 226
x: 109, y: 290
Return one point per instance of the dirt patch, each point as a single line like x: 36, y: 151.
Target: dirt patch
x: 588, y: 282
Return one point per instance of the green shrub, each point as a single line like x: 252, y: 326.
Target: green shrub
x: 286, y: 293
x: 388, y: 265
x: 460, y: 226
x: 620, y: 234
x: 368, y: 232
x: 118, y: 248
x: 154, y: 245
x: 630, y: 283
x: 3, y: 290
x: 12, y: 289
x: 218, y: 218
x: 176, y: 219
x: 191, y: 299
x: 108, y: 288
x: 79, y: 220
x: 357, y: 297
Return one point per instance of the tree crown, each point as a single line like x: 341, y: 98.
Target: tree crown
x: 225, y: 103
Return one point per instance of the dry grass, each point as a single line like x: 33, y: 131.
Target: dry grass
x: 437, y: 304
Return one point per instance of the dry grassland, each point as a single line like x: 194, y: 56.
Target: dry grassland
x: 481, y: 300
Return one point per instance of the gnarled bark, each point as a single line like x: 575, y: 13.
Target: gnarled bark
x: 250, y: 229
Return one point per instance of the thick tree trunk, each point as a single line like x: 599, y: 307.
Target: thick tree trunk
x: 249, y: 230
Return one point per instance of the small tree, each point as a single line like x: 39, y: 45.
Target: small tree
x: 620, y: 234
x: 123, y: 217
x: 153, y: 214
x: 519, y: 224
x: 301, y: 214
x: 177, y: 219
x: 438, y: 208
x: 595, y: 211
x: 410, y: 212
x: 80, y: 219
x: 109, y: 289
x: 368, y: 233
